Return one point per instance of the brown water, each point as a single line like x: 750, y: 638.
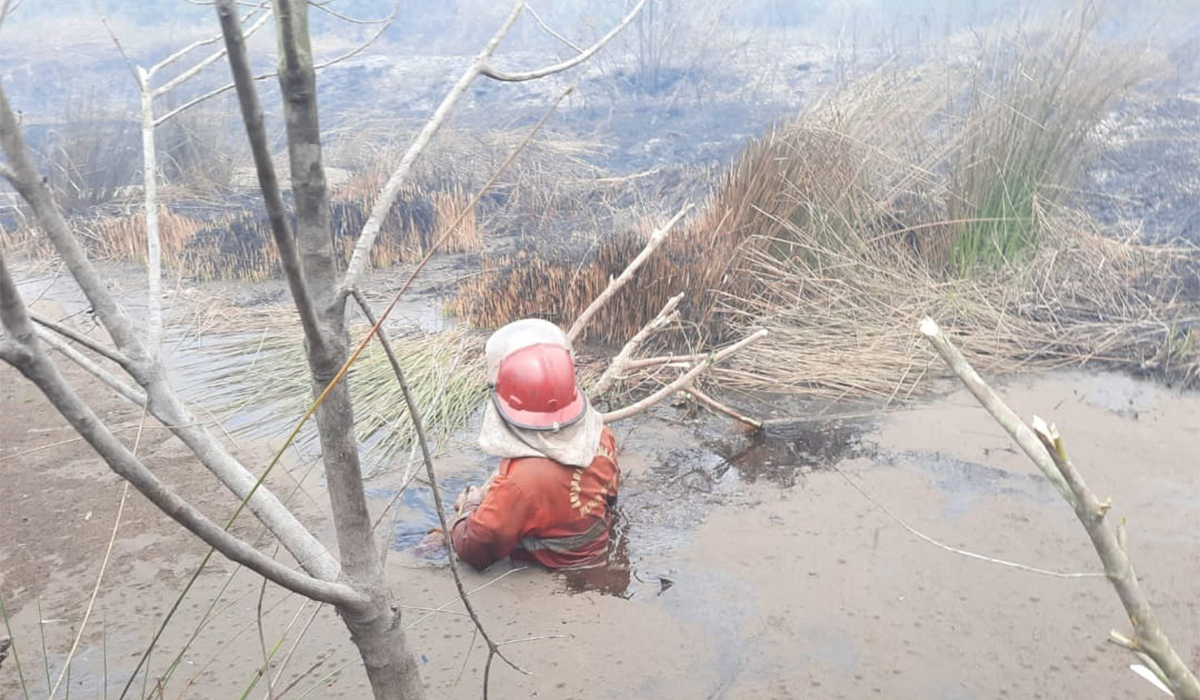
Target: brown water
x: 743, y: 566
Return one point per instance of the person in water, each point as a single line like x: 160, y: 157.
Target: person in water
x: 550, y: 500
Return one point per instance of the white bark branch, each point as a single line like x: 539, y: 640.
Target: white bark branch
x: 85, y: 341
x: 619, y: 364
x: 153, y: 70
x: 154, y: 325
x: 144, y: 367
x: 683, y: 381
x: 1012, y: 423
x: 207, y: 61
x: 361, y: 256
x: 570, y: 62
x: 656, y: 239
x: 273, y: 74
x: 128, y: 392
x: 546, y: 28
x: 24, y: 353
x: 722, y: 408
x: 1149, y: 640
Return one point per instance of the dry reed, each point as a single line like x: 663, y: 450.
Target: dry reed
x: 936, y: 191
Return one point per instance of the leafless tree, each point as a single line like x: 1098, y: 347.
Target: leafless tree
x: 354, y: 584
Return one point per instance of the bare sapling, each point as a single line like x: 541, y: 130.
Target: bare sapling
x: 1044, y: 445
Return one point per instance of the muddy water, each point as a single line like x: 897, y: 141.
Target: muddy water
x: 743, y: 566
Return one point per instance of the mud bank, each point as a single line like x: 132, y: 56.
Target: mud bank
x: 743, y: 567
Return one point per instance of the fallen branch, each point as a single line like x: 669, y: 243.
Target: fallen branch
x: 656, y: 239
x: 683, y: 381
x: 620, y: 363
x: 1050, y: 455
x: 719, y: 407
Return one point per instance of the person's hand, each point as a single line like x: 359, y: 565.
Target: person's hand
x: 431, y: 545
x: 472, y: 495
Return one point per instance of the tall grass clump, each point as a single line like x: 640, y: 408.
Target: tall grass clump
x: 445, y: 372
x: 1028, y: 120
x: 943, y: 189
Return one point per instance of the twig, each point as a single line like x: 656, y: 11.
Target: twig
x: 575, y: 60
x: 112, y: 538
x: 546, y: 28
x: 1110, y: 545
x: 273, y: 74
x: 1025, y: 438
x: 67, y: 332
x: 620, y: 363
x: 656, y: 239
x: 722, y: 408
x: 124, y: 389
x: 684, y: 380
x: 22, y: 351
x: 414, y: 413
x: 387, y: 196
x: 1148, y: 636
x: 956, y: 550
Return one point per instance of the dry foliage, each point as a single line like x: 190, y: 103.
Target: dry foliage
x: 940, y: 191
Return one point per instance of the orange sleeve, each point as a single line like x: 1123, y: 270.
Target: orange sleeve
x: 493, y: 530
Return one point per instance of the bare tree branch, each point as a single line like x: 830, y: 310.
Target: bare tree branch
x: 1148, y: 639
x: 252, y: 115
x: 353, y: 20
x: 6, y: 9
x: 570, y: 62
x: 656, y: 239
x: 144, y: 367
x: 546, y: 28
x: 684, y: 379
x: 207, y: 61
x: 85, y: 341
x: 134, y: 396
x: 414, y: 414
x: 1025, y: 438
x: 619, y: 363
x: 722, y: 408
x: 23, y: 352
x: 387, y: 196
x: 137, y: 75
x: 153, y: 70
x: 263, y: 76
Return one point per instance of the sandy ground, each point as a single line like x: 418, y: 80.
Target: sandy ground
x: 744, y: 569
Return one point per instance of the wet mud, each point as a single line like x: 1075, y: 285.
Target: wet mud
x: 742, y: 566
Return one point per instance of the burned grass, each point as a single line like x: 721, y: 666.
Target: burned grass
x: 941, y: 190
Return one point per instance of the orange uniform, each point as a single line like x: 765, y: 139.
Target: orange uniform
x: 537, y: 509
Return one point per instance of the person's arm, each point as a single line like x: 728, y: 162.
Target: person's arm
x: 487, y: 531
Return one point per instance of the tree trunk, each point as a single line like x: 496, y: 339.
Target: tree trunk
x: 376, y: 631
x: 153, y: 242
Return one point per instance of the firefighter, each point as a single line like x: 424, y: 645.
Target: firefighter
x: 550, y: 500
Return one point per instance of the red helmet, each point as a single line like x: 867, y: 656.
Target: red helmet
x: 535, y: 388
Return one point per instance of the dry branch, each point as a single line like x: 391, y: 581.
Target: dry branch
x: 656, y: 239
x: 1012, y: 423
x: 1149, y: 641
x: 570, y: 62
x: 21, y: 349
x: 620, y: 363
x: 683, y: 381
x: 144, y: 367
x: 722, y: 408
